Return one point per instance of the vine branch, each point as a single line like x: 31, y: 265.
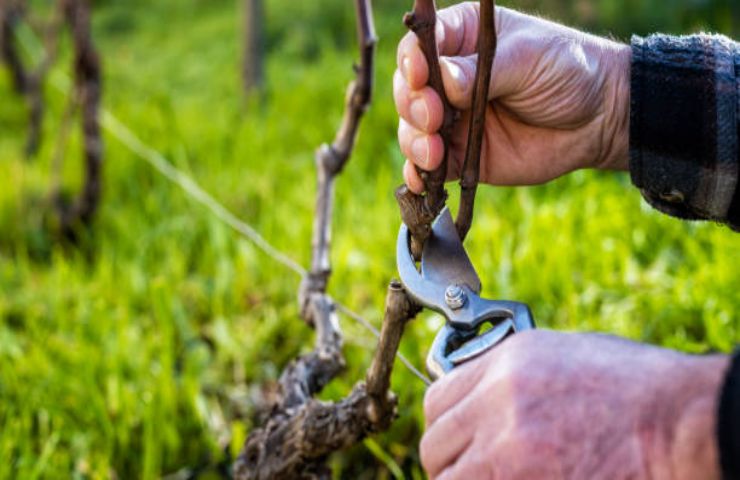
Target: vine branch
x: 331, y: 159
x: 471, y: 165
x: 301, y: 431
x: 418, y: 215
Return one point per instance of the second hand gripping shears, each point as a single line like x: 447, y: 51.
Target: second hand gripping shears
x: 447, y: 283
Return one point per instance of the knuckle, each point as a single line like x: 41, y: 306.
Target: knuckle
x: 401, y: 92
x: 529, y: 48
x: 523, y: 341
x: 404, y: 127
x: 403, y: 130
x: 459, y: 419
x: 403, y: 145
x: 434, y: 107
x: 403, y: 46
x: 520, y: 350
x: 513, y: 371
x: 406, y: 136
x: 397, y: 84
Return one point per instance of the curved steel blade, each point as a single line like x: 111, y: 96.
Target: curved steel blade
x: 444, y: 260
x: 426, y: 293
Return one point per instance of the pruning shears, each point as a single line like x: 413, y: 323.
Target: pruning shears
x: 447, y: 283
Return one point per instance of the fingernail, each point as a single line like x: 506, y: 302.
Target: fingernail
x: 419, y: 113
x: 420, y: 150
x: 405, y: 67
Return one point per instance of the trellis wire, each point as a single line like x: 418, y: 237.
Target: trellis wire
x: 192, y: 189
x: 124, y: 135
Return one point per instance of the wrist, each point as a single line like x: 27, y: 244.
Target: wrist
x: 615, y: 132
x: 693, y: 451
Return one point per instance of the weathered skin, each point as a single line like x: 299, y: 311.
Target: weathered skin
x: 574, y: 406
x: 558, y: 100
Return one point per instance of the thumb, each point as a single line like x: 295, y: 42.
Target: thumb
x: 458, y: 76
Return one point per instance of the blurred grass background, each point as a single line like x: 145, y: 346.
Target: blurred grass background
x: 144, y: 352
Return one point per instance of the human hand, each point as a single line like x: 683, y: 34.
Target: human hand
x: 558, y: 99
x: 578, y: 406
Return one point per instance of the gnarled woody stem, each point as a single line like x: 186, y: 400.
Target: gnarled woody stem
x: 301, y: 431
x: 331, y: 159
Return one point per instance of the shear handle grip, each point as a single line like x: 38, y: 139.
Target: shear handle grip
x: 480, y: 310
x: 518, y: 313
x: 453, y: 346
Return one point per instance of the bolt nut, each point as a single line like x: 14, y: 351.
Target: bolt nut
x: 455, y: 297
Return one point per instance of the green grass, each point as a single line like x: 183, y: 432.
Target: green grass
x: 145, y: 350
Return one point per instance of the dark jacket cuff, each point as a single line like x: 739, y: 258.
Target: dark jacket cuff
x: 684, y: 129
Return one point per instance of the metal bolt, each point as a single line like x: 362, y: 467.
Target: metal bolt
x: 455, y: 297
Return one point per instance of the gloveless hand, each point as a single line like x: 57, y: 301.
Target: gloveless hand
x: 558, y: 99
x: 547, y: 405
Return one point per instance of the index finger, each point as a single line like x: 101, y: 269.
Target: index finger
x: 452, y: 388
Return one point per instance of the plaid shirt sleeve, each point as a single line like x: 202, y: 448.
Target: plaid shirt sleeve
x: 685, y: 125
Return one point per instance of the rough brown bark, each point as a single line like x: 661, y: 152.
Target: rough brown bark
x: 471, y: 166
x: 398, y: 310
x: 302, y: 431
x: 416, y: 217
x: 87, y: 75
x: 253, y: 60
